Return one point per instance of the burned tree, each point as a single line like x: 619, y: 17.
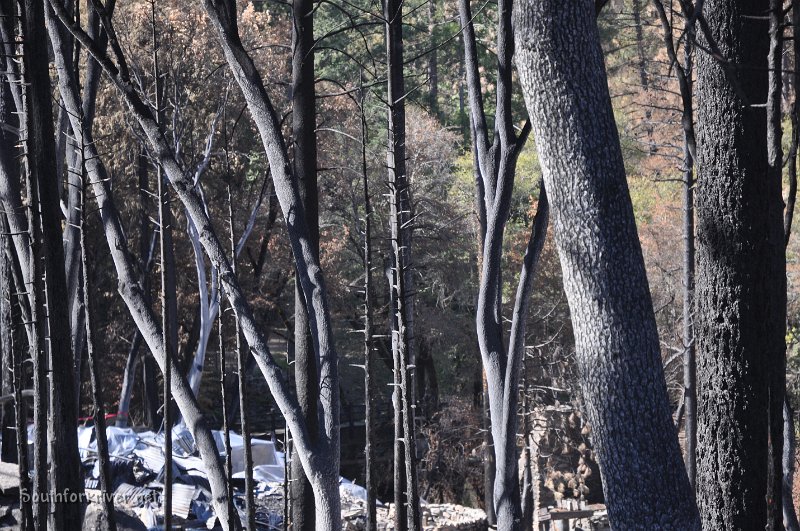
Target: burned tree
x: 563, y: 78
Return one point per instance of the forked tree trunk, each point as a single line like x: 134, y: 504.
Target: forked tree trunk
x: 560, y: 64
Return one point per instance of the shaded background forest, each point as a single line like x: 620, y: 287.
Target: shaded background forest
x: 203, y: 102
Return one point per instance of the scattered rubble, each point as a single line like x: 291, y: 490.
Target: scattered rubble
x: 137, y: 463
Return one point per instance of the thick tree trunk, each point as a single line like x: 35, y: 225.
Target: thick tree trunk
x: 560, y: 64
x: 63, y: 459
x: 741, y: 290
x: 304, y: 165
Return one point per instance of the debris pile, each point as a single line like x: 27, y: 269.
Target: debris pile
x: 137, y: 462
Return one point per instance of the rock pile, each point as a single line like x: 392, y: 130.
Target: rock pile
x: 435, y: 517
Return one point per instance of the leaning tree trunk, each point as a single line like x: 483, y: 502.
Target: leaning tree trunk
x: 304, y: 164
x: 128, y: 285
x: 560, y: 64
x: 63, y: 457
x: 740, y: 293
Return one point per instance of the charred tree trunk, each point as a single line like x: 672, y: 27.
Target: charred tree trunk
x: 8, y: 453
x: 321, y: 459
x: 94, y: 367
x: 241, y: 376
x: 433, y: 62
x: 128, y: 286
x: 304, y: 164
x: 148, y: 366
x: 400, y: 228
x: 369, y: 348
x: 560, y: 64
x: 741, y: 287
x: 683, y: 71
x: 63, y: 458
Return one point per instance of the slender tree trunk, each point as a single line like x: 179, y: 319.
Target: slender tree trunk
x: 402, y: 311
x: 226, y: 432
x: 64, y: 460
x: 9, y: 434
x: 433, y: 62
x: 128, y: 285
x: 789, y: 462
x: 241, y: 376
x: 777, y: 377
x: 495, y: 164
x: 790, y: 520
x: 20, y: 406
x: 94, y: 368
x: 369, y: 384
x: 146, y: 261
x: 304, y: 164
x: 560, y: 64
x: 741, y: 291
x: 169, y: 306
x: 683, y: 71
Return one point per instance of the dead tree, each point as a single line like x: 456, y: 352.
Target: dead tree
x: 369, y: 383
x: 321, y: 461
x: 129, y: 287
x: 683, y: 72
x: 304, y: 166
x: 406, y: 495
x: 241, y: 377
x: 741, y: 268
x: 63, y: 457
x: 563, y: 78
x: 495, y: 167
x: 99, y: 413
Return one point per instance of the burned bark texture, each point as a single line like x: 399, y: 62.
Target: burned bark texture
x: 62, y: 439
x: 561, y: 69
x: 304, y: 164
x: 741, y: 287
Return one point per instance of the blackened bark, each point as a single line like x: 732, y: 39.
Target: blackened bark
x: 683, y: 71
x: 560, y: 64
x: 168, y: 293
x: 740, y: 295
x: 146, y: 261
x: 495, y: 170
x: 241, y: 377
x: 789, y: 464
x: 433, y: 62
x: 64, y: 460
x: 777, y: 376
x: 321, y: 461
x: 95, y: 375
x: 128, y: 286
x: 794, y: 116
x: 402, y: 311
x: 369, y: 348
x: 8, y: 452
x: 304, y: 165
